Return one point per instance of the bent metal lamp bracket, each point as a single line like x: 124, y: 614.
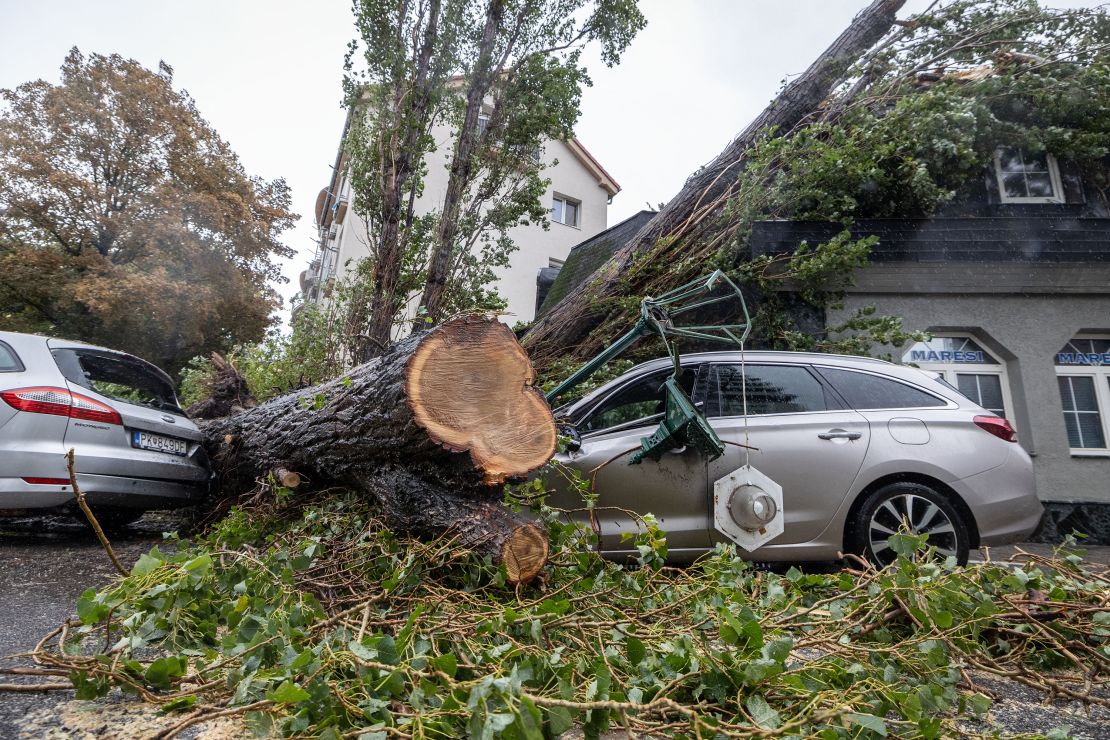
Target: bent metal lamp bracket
x: 682, y: 424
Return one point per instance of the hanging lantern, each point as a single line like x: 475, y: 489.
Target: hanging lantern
x: 747, y: 508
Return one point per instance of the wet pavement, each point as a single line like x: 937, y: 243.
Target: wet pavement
x: 45, y: 564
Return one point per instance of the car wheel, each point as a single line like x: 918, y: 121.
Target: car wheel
x: 925, y: 512
x: 111, y: 518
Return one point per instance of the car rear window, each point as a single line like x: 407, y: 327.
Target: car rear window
x: 864, y: 391
x: 117, y: 377
x: 9, y: 360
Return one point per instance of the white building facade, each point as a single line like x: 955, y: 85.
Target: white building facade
x: 577, y: 196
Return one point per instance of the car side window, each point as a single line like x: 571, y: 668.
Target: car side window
x: 864, y: 391
x: 643, y: 398
x: 9, y: 361
x: 771, y: 389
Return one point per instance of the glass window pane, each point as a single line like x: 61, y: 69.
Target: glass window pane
x: 1034, y: 162
x: 1083, y: 393
x: 864, y: 391
x: 557, y: 211
x: 642, y: 399
x: 572, y: 214
x: 1014, y: 185
x: 9, y: 363
x: 772, y: 389
x: 1009, y: 160
x: 1039, y: 185
x: 1090, y: 427
x: 983, y: 389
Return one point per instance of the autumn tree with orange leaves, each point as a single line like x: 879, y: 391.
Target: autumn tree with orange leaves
x: 125, y: 220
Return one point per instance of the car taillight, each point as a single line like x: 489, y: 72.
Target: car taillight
x: 997, y: 426
x: 47, y: 481
x: 60, y: 402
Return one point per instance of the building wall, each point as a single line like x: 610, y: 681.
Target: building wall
x: 536, y: 246
x: 1024, y: 329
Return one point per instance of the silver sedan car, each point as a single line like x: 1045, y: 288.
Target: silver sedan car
x: 859, y: 447
x: 134, y: 449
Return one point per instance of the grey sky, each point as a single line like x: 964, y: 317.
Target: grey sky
x: 266, y: 74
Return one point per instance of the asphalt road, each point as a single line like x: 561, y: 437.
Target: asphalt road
x: 45, y: 564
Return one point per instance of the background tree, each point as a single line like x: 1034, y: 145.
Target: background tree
x: 126, y: 220
x: 505, y: 75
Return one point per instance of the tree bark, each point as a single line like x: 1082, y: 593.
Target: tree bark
x: 565, y: 329
x: 430, y: 429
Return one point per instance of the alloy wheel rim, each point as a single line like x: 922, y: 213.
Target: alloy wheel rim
x: 920, y: 515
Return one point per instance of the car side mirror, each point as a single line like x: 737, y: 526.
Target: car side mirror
x: 572, y: 439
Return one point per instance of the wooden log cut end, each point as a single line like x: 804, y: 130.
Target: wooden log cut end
x: 469, y: 385
x: 524, y: 553
x: 287, y: 478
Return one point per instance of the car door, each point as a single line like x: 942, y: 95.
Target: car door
x: 672, y: 489
x: 145, y: 401
x: 807, y: 440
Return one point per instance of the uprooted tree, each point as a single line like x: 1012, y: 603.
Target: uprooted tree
x: 429, y: 430
x: 893, y: 120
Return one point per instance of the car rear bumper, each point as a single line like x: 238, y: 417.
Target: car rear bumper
x: 106, y: 490
x: 1004, y: 500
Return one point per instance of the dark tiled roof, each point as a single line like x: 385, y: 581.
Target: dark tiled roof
x: 1026, y: 239
x: 586, y: 257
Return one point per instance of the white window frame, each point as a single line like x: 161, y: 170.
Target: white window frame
x: 949, y: 370
x: 1053, y: 174
x: 1101, y: 376
x: 565, y: 200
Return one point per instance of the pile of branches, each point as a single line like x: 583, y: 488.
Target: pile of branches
x: 308, y: 618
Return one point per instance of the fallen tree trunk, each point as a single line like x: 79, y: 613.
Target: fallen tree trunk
x: 431, y: 429
x: 568, y: 329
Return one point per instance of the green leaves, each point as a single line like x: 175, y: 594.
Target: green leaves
x: 161, y: 672
x: 447, y: 647
x: 762, y: 713
x: 867, y: 721
x: 287, y: 693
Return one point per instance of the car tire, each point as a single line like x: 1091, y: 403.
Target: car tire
x: 111, y: 518
x: 927, y: 512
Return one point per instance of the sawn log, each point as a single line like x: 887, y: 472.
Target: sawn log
x: 431, y: 429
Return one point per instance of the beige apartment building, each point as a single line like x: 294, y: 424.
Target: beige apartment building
x: 578, y: 197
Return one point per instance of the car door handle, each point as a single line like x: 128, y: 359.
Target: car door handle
x: 839, y: 434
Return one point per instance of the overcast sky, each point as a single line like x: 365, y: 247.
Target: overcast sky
x: 266, y: 74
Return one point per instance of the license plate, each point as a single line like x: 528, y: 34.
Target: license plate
x: 158, y: 443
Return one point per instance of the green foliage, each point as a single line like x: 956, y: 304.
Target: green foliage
x: 346, y: 629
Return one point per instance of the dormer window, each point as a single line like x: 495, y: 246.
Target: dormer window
x: 1027, y: 177
x: 565, y: 211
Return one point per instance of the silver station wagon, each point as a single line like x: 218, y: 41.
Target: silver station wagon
x: 859, y: 447
x: 134, y: 449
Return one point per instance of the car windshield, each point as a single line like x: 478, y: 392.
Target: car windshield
x: 118, y: 377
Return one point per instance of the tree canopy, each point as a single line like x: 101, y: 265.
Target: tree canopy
x: 503, y: 76
x: 913, y: 121
x: 126, y: 220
